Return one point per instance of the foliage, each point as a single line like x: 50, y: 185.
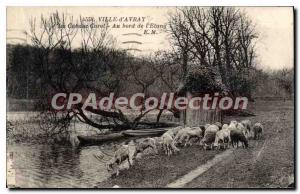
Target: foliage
x: 219, y: 38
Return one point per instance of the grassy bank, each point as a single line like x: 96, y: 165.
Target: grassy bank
x: 267, y: 163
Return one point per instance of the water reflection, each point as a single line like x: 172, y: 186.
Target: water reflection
x: 57, y: 166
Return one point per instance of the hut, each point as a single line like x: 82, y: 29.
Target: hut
x: 198, y: 82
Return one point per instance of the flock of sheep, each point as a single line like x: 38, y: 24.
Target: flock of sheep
x: 210, y: 136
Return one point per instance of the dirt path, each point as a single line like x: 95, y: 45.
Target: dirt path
x: 218, y: 160
x: 181, y: 182
x: 268, y: 163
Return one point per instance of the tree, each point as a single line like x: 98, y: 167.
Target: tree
x: 169, y: 70
x: 93, y: 65
x: 285, y: 79
x: 220, y: 38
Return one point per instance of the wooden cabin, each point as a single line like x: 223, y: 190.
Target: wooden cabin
x: 193, y: 118
x: 201, y: 80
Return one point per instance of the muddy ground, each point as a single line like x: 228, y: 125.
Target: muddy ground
x: 267, y: 163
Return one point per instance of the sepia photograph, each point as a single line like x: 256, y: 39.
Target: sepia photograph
x: 158, y: 97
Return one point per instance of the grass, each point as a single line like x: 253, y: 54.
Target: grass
x: 268, y: 162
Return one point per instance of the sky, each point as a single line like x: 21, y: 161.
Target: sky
x: 274, y: 25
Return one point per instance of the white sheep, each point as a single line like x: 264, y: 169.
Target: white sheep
x: 242, y: 128
x: 225, y: 126
x: 209, y: 136
x: 212, y: 128
x: 233, y: 124
x: 181, y: 135
x: 194, y: 132
x: 173, y: 131
x: 247, y: 125
x: 206, y: 126
x: 223, y: 135
x: 146, y: 143
x: 158, y: 142
x: 219, y: 125
x: 125, y: 152
x: 168, y: 144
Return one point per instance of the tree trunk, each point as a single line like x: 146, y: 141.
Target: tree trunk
x: 159, y: 115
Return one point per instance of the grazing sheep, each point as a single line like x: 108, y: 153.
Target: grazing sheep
x: 146, y: 143
x: 181, y: 135
x: 237, y: 136
x: 173, y: 131
x: 209, y: 136
x: 186, y: 134
x: 243, y: 129
x: 194, y: 132
x: 223, y: 135
x: 225, y: 126
x: 206, y: 126
x: 197, y: 132
x: 212, y: 128
x: 247, y: 125
x: 125, y: 152
x: 257, y: 129
x: 219, y: 125
x: 168, y: 144
x: 158, y: 141
x: 233, y: 123
x: 208, y: 140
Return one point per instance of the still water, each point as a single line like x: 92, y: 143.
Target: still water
x: 40, y: 166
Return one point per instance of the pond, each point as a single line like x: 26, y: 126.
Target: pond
x: 40, y: 166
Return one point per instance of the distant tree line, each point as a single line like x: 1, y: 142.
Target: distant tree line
x: 275, y: 83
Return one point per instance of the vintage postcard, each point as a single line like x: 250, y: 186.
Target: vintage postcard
x: 150, y: 97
